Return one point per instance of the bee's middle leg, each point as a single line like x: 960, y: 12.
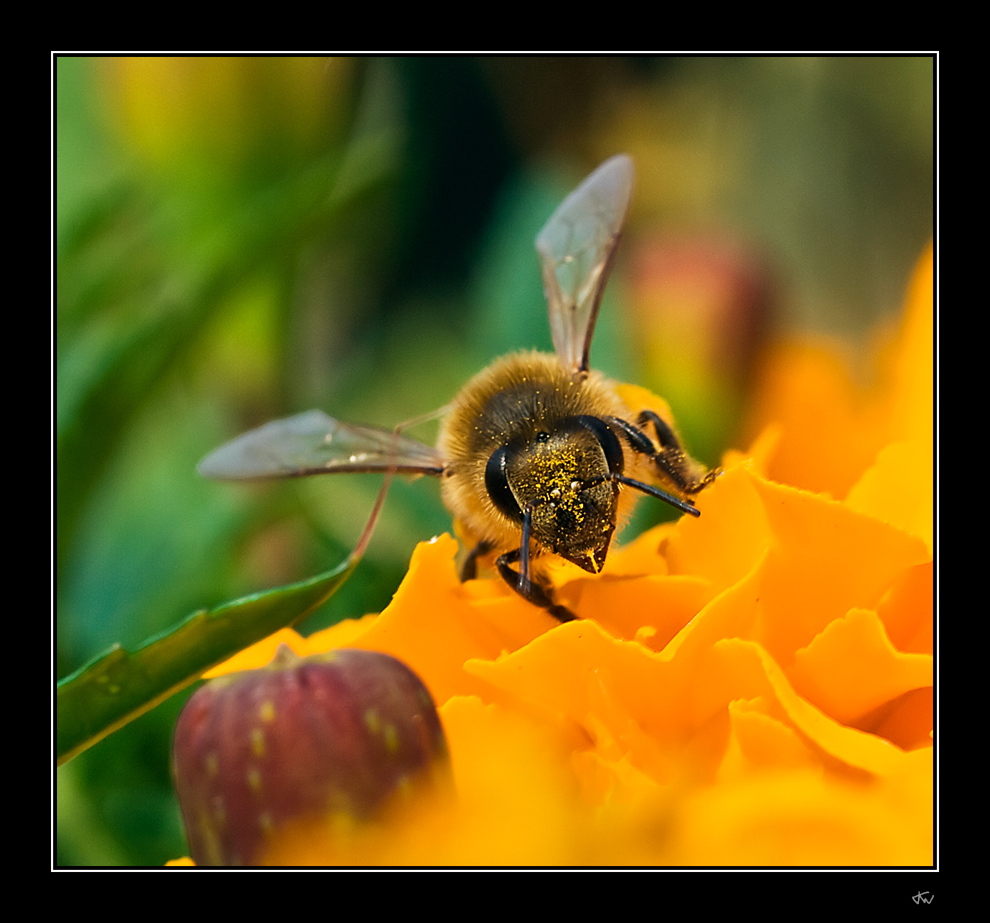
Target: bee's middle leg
x: 469, y: 566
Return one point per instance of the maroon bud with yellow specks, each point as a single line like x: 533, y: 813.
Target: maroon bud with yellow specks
x: 328, y: 740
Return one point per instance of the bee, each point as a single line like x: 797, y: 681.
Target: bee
x: 537, y: 454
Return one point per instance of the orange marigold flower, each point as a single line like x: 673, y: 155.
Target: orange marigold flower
x: 753, y: 687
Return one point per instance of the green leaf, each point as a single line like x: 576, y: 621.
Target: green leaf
x: 119, y: 686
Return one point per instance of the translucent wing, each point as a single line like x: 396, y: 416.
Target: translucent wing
x: 314, y: 443
x: 576, y: 248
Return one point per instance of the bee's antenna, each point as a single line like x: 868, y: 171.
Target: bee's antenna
x: 685, y: 506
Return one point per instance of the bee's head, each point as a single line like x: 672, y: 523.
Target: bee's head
x: 563, y: 478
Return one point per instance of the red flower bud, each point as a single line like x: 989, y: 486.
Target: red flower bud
x: 328, y: 739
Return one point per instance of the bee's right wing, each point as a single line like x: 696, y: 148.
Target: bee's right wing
x: 314, y: 443
x: 576, y: 247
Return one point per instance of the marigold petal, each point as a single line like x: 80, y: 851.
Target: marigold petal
x: 851, y: 668
x: 730, y: 536
x: 514, y: 804
x: 805, y: 818
x: 853, y: 747
x: 907, y: 609
x: 830, y: 430
x: 762, y: 741
x: 625, y: 606
x: 907, y: 721
x: 825, y: 560
x: 343, y: 634
x: 900, y: 489
x: 639, y: 557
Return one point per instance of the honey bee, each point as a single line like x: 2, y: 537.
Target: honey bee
x: 537, y: 453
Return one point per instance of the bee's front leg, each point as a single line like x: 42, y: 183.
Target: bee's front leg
x: 529, y: 590
x: 671, y: 459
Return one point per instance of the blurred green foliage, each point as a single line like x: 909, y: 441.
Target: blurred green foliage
x: 239, y: 239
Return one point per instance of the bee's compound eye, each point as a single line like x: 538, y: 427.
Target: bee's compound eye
x: 607, y: 440
x: 497, y: 485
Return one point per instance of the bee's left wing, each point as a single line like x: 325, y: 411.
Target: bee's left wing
x: 576, y: 247
x: 314, y: 443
